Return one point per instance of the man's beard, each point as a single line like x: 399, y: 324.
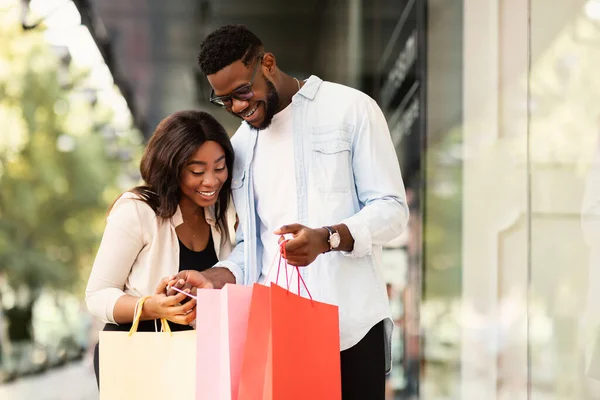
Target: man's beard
x: 270, y: 106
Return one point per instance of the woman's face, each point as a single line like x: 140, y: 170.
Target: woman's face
x: 204, y: 174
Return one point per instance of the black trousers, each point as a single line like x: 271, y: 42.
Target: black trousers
x: 363, y: 367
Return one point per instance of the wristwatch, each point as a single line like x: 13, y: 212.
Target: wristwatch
x: 334, y: 238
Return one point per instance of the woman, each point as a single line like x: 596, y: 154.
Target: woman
x: 181, y: 219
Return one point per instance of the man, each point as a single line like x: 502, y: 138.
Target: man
x: 314, y: 162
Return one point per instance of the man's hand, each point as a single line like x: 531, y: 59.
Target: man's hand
x: 189, y: 280
x: 306, y: 245
x: 212, y: 278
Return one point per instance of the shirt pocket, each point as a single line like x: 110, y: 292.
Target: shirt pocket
x: 332, y: 161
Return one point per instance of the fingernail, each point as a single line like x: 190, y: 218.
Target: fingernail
x: 181, y: 281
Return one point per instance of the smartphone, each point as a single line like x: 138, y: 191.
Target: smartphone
x: 179, y: 288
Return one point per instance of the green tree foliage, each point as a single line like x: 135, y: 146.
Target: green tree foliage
x: 57, y: 173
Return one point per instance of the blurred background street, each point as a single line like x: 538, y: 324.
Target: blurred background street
x: 74, y: 381
x: 493, y: 109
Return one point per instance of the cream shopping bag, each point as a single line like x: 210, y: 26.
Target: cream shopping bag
x: 147, y: 365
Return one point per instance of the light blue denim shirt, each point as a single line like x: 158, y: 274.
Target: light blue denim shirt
x: 346, y: 172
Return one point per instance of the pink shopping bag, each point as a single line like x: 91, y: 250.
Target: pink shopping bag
x: 221, y: 324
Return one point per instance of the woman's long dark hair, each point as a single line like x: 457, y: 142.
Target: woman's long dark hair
x: 173, y: 143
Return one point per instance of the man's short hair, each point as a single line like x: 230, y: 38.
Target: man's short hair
x: 227, y: 45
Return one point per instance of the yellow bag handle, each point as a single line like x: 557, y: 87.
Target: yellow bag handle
x: 137, y: 314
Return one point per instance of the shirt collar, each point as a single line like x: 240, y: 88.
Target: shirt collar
x: 310, y: 87
x: 209, y: 215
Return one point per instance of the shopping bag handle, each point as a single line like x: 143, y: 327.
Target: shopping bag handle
x: 137, y: 315
x: 283, y: 255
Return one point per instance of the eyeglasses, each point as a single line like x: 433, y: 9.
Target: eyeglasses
x: 242, y: 93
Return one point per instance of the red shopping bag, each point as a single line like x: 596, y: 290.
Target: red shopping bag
x: 292, y: 348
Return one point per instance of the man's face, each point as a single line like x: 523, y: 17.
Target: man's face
x: 258, y: 109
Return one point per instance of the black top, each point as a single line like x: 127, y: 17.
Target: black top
x: 188, y: 259
x: 197, y: 260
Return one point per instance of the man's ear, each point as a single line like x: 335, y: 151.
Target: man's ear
x: 269, y: 64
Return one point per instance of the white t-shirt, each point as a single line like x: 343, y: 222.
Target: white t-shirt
x: 275, y: 190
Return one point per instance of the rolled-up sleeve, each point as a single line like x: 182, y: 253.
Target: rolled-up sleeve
x: 121, y: 243
x: 384, y: 213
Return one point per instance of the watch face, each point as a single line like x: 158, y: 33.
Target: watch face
x: 334, y: 240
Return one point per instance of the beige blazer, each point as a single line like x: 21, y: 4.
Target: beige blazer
x: 138, y: 249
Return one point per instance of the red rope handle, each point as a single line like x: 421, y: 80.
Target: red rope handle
x: 283, y: 254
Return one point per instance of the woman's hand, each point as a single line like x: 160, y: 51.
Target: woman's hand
x: 160, y: 305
